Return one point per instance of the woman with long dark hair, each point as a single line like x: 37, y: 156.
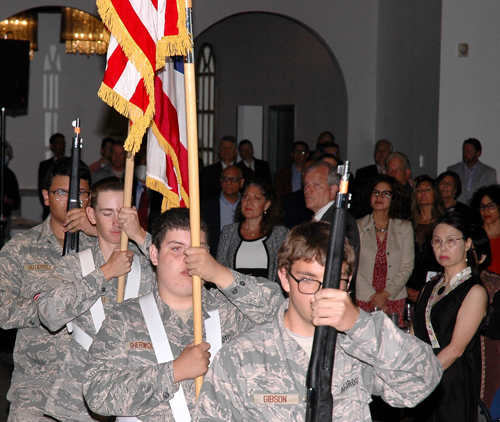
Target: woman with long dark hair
x: 387, y: 248
x: 426, y: 206
x: 250, y: 245
x: 449, y: 316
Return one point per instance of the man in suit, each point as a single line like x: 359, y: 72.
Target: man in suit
x: 473, y: 173
x: 147, y: 201
x: 382, y: 150
x: 219, y: 210
x: 210, y: 175
x: 258, y: 168
x: 397, y: 165
x: 105, y: 155
x: 288, y: 180
x: 58, y: 148
x: 321, y: 184
x: 116, y: 165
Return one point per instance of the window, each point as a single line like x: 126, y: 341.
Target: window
x: 206, y: 104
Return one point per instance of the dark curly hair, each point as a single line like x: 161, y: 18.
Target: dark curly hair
x: 492, y: 191
x: 438, y: 208
x: 456, y: 178
x: 273, y: 215
x: 400, y: 200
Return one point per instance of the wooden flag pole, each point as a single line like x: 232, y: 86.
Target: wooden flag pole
x: 194, y: 188
x: 127, y: 202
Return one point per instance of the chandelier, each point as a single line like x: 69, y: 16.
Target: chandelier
x: 83, y: 33
x: 22, y: 26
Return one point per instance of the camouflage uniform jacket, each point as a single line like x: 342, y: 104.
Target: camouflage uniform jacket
x: 27, y: 264
x: 71, y: 301
x: 257, y: 376
x: 123, y: 377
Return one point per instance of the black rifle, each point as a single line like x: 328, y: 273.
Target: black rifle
x: 71, y: 239
x: 320, y: 371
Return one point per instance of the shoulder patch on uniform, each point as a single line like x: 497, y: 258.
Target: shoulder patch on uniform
x: 133, y: 345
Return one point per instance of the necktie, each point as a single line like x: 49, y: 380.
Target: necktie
x: 143, y: 209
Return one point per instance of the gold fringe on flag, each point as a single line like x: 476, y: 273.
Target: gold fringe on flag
x: 171, y: 199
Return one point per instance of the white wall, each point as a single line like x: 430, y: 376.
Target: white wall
x: 78, y: 81
x: 350, y: 31
x: 470, y: 87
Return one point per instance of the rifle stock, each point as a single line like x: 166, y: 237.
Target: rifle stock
x: 71, y: 239
x: 319, y: 375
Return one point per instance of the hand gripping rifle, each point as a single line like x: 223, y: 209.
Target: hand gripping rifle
x: 71, y: 239
x: 319, y: 375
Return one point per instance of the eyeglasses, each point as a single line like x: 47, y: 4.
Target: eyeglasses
x: 490, y: 206
x: 230, y: 179
x: 298, y: 151
x: 436, y: 242
x: 385, y: 193
x: 62, y: 195
x: 308, y: 286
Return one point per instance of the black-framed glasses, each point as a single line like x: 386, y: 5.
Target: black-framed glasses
x: 299, y: 151
x: 489, y: 205
x: 309, y: 286
x: 230, y: 179
x: 385, y: 193
x: 436, y: 242
x: 62, y: 195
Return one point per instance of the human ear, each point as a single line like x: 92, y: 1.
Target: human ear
x: 284, y: 279
x: 153, y: 255
x: 45, y: 194
x: 91, y: 215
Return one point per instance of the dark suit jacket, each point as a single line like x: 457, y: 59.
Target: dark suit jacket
x: 364, y: 174
x: 295, y: 211
x: 352, y: 233
x: 210, y: 180
x: 43, y: 169
x: 283, y: 182
x: 210, y: 214
x: 261, y: 169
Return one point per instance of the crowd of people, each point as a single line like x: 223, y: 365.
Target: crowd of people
x: 415, y: 310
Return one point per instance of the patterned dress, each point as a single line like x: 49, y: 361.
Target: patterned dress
x: 379, y: 279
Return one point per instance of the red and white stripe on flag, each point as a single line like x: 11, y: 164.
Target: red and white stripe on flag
x: 167, y: 170
x: 143, y: 34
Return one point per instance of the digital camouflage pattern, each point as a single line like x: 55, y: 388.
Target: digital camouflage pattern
x: 27, y: 265
x: 71, y: 301
x: 123, y: 377
x: 261, y: 375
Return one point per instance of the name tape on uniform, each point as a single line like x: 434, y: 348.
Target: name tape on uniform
x: 276, y: 399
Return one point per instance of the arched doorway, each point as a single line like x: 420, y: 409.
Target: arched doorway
x: 269, y: 60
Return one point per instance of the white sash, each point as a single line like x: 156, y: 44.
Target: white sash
x: 163, y: 351
x: 97, y: 310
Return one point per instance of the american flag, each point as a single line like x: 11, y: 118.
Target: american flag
x: 142, y: 83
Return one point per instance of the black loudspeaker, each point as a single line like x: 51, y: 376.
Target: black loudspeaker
x: 14, y: 74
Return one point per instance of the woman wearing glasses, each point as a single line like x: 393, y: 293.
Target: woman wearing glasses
x: 485, y: 204
x: 386, y: 253
x: 251, y: 245
x: 449, y: 317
